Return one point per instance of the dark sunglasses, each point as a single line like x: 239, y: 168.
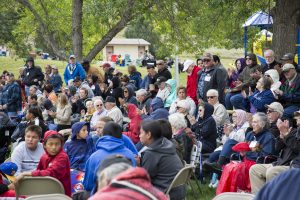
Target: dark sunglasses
x: 248, y: 59
x: 206, y: 60
x: 211, y: 97
x: 270, y: 111
x: 99, y: 105
x: 125, y: 91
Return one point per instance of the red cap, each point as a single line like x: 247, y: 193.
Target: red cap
x: 242, y: 146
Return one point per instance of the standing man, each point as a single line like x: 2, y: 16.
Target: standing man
x: 210, y: 77
x: 191, y: 84
x: 162, y: 70
x: 73, y: 69
x: 32, y: 75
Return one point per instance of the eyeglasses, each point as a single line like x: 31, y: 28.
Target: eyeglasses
x: 211, y: 97
x: 125, y: 91
x: 267, y: 75
x: 206, y: 60
x: 177, y: 108
x: 270, y: 111
x: 99, y: 105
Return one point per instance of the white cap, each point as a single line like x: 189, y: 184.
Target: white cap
x: 72, y: 56
x: 186, y: 64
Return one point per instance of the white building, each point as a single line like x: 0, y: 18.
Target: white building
x: 135, y: 48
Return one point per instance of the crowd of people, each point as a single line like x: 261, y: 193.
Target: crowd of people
x: 126, y: 131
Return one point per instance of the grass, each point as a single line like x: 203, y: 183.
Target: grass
x: 207, y: 193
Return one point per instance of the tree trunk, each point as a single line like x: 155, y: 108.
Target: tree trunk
x: 77, y: 35
x: 286, y: 20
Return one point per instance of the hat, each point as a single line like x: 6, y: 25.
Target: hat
x: 277, y: 107
x: 8, y: 168
x: 287, y: 56
x: 183, y: 104
x: 54, y: 67
x: 287, y: 66
x: 110, y: 99
x: 72, y: 56
x: 29, y: 59
x: 160, y: 79
x: 186, y: 64
x: 76, y: 79
x: 241, y: 146
x: 113, y: 160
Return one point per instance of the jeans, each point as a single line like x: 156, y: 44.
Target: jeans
x: 12, y: 114
x: 214, y: 156
x: 227, y: 148
x: 234, y: 100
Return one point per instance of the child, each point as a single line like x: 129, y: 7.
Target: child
x: 7, y: 170
x: 81, y: 145
x: 54, y: 162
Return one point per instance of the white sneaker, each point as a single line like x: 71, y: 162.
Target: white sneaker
x: 215, y: 185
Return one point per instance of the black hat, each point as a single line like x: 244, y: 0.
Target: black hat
x: 29, y: 59
x: 110, y: 99
x: 85, y: 62
x: 113, y: 160
x: 160, y: 79
x: 287, y: 56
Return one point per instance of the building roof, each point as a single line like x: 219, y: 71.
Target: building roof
x: 118, y: 41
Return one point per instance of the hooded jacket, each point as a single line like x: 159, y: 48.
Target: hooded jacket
x: 165, y: 73
x: 158, y: 110
x: 134, y: 124
x: 191, y: 84
x: 172, y: 96
x: 136, y: 79
x: 156, y: 160
x: 136, y: 176
x: 131, y: 98
x: 57, y: 166
x: 79, y: 150
x: 11, y: 96
x: 260, y: 99
x: 205, y: 129
x: 249, y: 69
x: 105, y: 146
x: 32, y: 73
x: 117, y: 91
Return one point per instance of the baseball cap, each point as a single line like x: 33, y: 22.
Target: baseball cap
x: 110, y: 99
x: 72, y: 56
x: 160, y: 79
x: 54, y: 67
x: 277, y: 107
x: 287, y: 66
x: 287, y: 56
x: 186, y: 64
x: 8, y: 168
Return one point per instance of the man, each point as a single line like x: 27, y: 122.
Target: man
x: 150, y: 78
x: 288, y: 143
x: 191, y: 84
x: 32, y: 75
x: 289, y: 58
x: 91, y: 70
x: 55, y: 79
x: 83, y: 84
x: 100, y: 111
x: 113, y: 111
x: 73, y: 69
x: 109, y: 144
x: 274, y: 112
x: 163, y: 70
x: 218, y: 64
x: 28, y: 153
x: 144, y: 100
x: 116, y: 171
x: 271, y: 63
x: 289, y: 93
x: 211, y: 77
x: 11, y: 100
x: 108, y: 70
x: 164, y: 89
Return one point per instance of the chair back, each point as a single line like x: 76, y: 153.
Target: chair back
x: 38, y: 185
x: 181, y: 178
x: 49, y: 197
x: 234, y: 196
x: 8, y: 159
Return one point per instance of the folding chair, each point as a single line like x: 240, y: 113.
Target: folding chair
x: 29, y: 186
x: 49, y: 197
x: 182, y: 178
x: 234, y: 196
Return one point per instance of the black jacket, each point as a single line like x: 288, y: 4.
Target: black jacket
x: 156, y: 160
x: 186, y: 142
x: 32, y: 73
x: 108, y: 75
x: 266, y: 67
x: 165, y: 73
x: 205, y: 129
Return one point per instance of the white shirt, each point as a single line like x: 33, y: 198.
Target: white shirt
x: 96, y: 116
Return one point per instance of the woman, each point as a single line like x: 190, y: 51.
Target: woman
x: 178, y: 125
x: 260, y: 142
x: 172, y: 96
x: 135, y: 76
x: 62, y: 116
x: 157, y: 158
x: 86, y: 116
x: 116, y: 91
x: 129, y: 96
x: 205, y: 128
x: 93, y: 83
x: 125, y: 82
x: 220, y: 114
x: 274, y: 76
x: 182, y: 95
x: 49, y: 93
x: 255, y: 102
x: 135, y: 123
x: 34, y: 116
x: 233, y: 74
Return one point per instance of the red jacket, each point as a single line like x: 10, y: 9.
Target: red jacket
x: 134, y: 125
x: 136, y: 176
x: 57, y: 166
x: 191, y: 85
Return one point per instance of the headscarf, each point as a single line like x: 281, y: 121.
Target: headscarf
x: 243, y: 64
x: 241, y: 117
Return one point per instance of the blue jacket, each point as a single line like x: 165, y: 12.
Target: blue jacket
x: 283, y: 186
x: 158, y: 110
x: 78, y: 71
x: 136, y: 79
x: 260, y: 99
x: 266, y: 141
x: 105, y: 147
x: 56, y: 82
x: 79, y: 151
x: 11, y: 96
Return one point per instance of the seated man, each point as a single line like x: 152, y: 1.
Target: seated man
x: 126, y: 180
x: 113, y: 111
x: 288, y: 143
x: 28, y: 153
x: 109, y: 144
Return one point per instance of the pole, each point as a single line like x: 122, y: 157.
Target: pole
x: 245, y: 40
x: 177, y: 68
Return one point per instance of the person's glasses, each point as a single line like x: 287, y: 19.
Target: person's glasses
x: 125, y: 91
x: 177, y: 108
x: 267, y: 75
x: 99, y: 105
x: 210, y: 97
x: 270, y: 111
x: 206, y: 60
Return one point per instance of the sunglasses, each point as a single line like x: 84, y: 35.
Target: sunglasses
x: 206, y: 60
x: 125, y: 91
x: 177, y: 108
x: 99, y: 105
x: 210, y: 97
x: 270, y: 111
x: 248, y: 59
